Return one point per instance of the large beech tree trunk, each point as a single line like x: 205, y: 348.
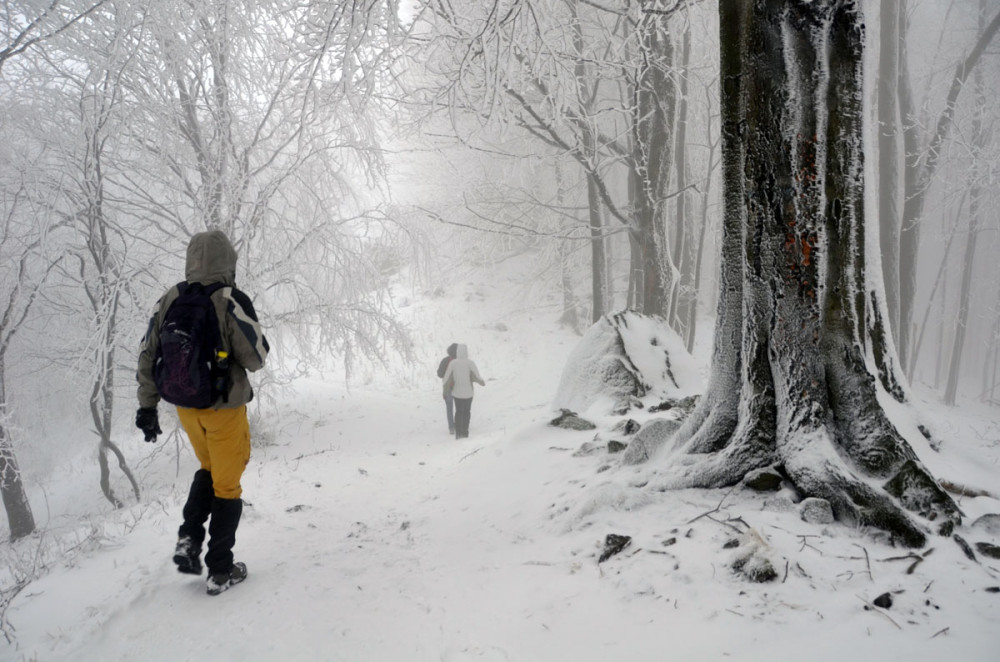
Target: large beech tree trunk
x: 800, y: 342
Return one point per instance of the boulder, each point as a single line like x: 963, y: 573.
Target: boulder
x: 649, y: 440
x: 988, y: 524
x: 883, y: 601
x: 587, y: 448
x: 613, y: 544
x: 764, y: 480
x: 616, y: 446
x: 626, y: 427
x: 816, y: 511
x: 624, y: 357
x: 569, y: 420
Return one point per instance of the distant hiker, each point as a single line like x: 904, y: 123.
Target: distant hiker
x: 460, y: 374
x: 449, y: 401
x: 202, y: 339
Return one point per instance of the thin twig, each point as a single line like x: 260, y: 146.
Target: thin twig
x: 714, y: 510
x: 868, y: 563
x: 876, y: 609
x: 468, y: 455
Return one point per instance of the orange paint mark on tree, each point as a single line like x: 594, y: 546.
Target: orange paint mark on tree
x: 807, y: 249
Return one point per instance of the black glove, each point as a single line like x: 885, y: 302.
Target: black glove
x: 147, y: 421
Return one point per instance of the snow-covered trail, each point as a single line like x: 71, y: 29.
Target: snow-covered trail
x: 359, y: 534
x: 371, y: 535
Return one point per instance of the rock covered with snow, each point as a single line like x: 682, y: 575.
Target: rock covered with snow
x: 570, y: 420
x: 649, y: 440
x: 816, y: 511
x: 753, y: 558
x: 623, y: 357
x: 988, y: 524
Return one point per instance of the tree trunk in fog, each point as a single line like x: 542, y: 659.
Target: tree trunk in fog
x: 570, y: 314
x: 794, y: 379
x: 15, y: 501
x: 706, y: 197
x: 686, y: 298
x: 921, y: 166
x: 961, y: 323
x: 598, y: 259
x: 888, y: 155
x: 991, y: 367
x: 598, y: 248
x: 20, y: 293
x: 939, y: 285
x: 909, y: 229
x: 654, y: 113
x: 979, y: 138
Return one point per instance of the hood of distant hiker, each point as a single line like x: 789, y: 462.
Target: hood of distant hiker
x: 211, y: 258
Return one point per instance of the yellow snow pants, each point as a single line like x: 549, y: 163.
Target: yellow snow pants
x: 221, y: 442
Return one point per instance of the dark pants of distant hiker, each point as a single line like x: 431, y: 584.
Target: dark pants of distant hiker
x: 449, y: 410
x: 463, y: 412
x: 221, y: 442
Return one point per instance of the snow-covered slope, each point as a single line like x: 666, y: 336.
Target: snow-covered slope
x: 372, y: 535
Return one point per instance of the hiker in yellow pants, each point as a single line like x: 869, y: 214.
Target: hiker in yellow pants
x: 202, y: 340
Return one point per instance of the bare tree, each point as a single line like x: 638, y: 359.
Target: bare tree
x: 976, y: 200
x: 28, y: 26
x: 654, y: 114
x: 922, y: 160
x: 591, y: 82
x: 19, y: 288
x: 261, y: 119
x: 794, y: 379
x: 87, y: 109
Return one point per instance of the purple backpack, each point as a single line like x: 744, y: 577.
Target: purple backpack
x: 187, y: 370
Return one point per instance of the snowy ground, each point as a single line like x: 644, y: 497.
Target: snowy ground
x: 371, y: 534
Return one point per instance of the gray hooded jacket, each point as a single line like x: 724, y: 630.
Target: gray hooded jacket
x: 461, y: 373
x: 211, y: 258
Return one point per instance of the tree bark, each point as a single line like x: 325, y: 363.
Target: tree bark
x: 598, y: 260
x: 794, y: 381
x: 888, y: 155
x: 684, y: 253
x: 598, y: 248
x: 654, y: 113
x: 20, y: 520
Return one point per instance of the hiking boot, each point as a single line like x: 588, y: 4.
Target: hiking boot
x: 187, y: 556
x: 220, y: 582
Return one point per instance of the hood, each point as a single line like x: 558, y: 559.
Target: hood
x: 211, y: 258
x: 461, y: 352
x: 452, y: 348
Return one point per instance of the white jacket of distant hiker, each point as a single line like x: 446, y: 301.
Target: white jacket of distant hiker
x: 462, y: 373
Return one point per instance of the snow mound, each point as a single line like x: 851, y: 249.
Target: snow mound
x: 625, y: 356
